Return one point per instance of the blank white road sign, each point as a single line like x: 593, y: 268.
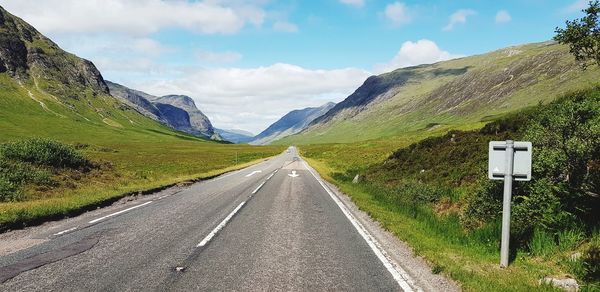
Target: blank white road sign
x: 521, y: 164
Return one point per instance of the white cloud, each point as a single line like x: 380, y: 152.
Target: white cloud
x: 576, y: 6
x: 254, y: 98
x: 103, y: 45
x: 503, y: 16
x: 135, y: 17
x: 458, y: 17
x: 356, y: 3
x: 218, y: 57
x: 397, y: 13
x: 285, y: 26
x: 416, y: 53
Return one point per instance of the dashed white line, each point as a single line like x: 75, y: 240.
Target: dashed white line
x: 258, y: 188
x: 220, y: 226
x: 64, y: 231
x: 120, y: 212
x: 401, y: 276
x: 270, y: 176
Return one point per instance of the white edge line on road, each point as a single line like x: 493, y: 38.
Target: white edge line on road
x: 397, y: 272
x: 64, y: 231
x: 120, y: 212
x: 220, y: 226
x: 258, y: 188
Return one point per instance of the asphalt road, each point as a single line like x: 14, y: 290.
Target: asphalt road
x: 273, y: 226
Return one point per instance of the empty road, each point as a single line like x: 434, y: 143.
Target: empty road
x: 272, y: 226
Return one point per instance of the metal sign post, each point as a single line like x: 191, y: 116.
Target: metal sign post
x: 508, y: 160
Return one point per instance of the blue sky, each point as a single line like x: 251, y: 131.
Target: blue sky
x: 246, y: 63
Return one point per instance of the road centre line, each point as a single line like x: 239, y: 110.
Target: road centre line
x: 220, y: 226
x: 401, y: 276
x: 120, y: 212
x: 214, y: 232
x: 258, y: 188
x: 64, y: 231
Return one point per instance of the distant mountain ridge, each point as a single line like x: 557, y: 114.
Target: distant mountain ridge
x: 291, y: 123
x: 199, y: 122
x: 176, y: 111
x: 463, y: 93
x: 235, y: 136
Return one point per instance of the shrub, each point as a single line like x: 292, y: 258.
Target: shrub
x: 32, y: 162
x: 484, y: 205
x: 566, y: 174
x: 15, y: 174
x: 45, y: 153
x: 9, y: 191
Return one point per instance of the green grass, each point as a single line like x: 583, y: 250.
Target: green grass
x: 135, y: 153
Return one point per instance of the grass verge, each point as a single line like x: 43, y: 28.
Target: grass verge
x: 475, y: 266
x: 16, y: 215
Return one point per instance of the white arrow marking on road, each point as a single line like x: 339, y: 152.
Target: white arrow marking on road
x: 293, y: 174
x: 254, y: 172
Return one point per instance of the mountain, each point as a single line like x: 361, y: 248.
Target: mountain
x: 463, y: 93
x: 47, y: 92
x: 292, y: 123
x: 25, y: 54
x: 176, y: 111
x: 140, y: 101
x: 235, y: 136
x: 199, y: 122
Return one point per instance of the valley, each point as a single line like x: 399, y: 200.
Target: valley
x: 332, y: 176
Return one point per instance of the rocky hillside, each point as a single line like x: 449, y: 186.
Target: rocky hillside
x: 27, y: 55
x: 200, y: 124
x: 457, y: 94
x: 140, y: 101
x: 292, y: 123
x: 176, y: 111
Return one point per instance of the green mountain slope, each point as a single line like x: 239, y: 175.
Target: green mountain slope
x: 457, y: 94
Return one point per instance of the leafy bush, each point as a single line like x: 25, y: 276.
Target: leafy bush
x: 32, y: 162
x: 9, y: 191
x: 564, y: 190
x: 45, y: 153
